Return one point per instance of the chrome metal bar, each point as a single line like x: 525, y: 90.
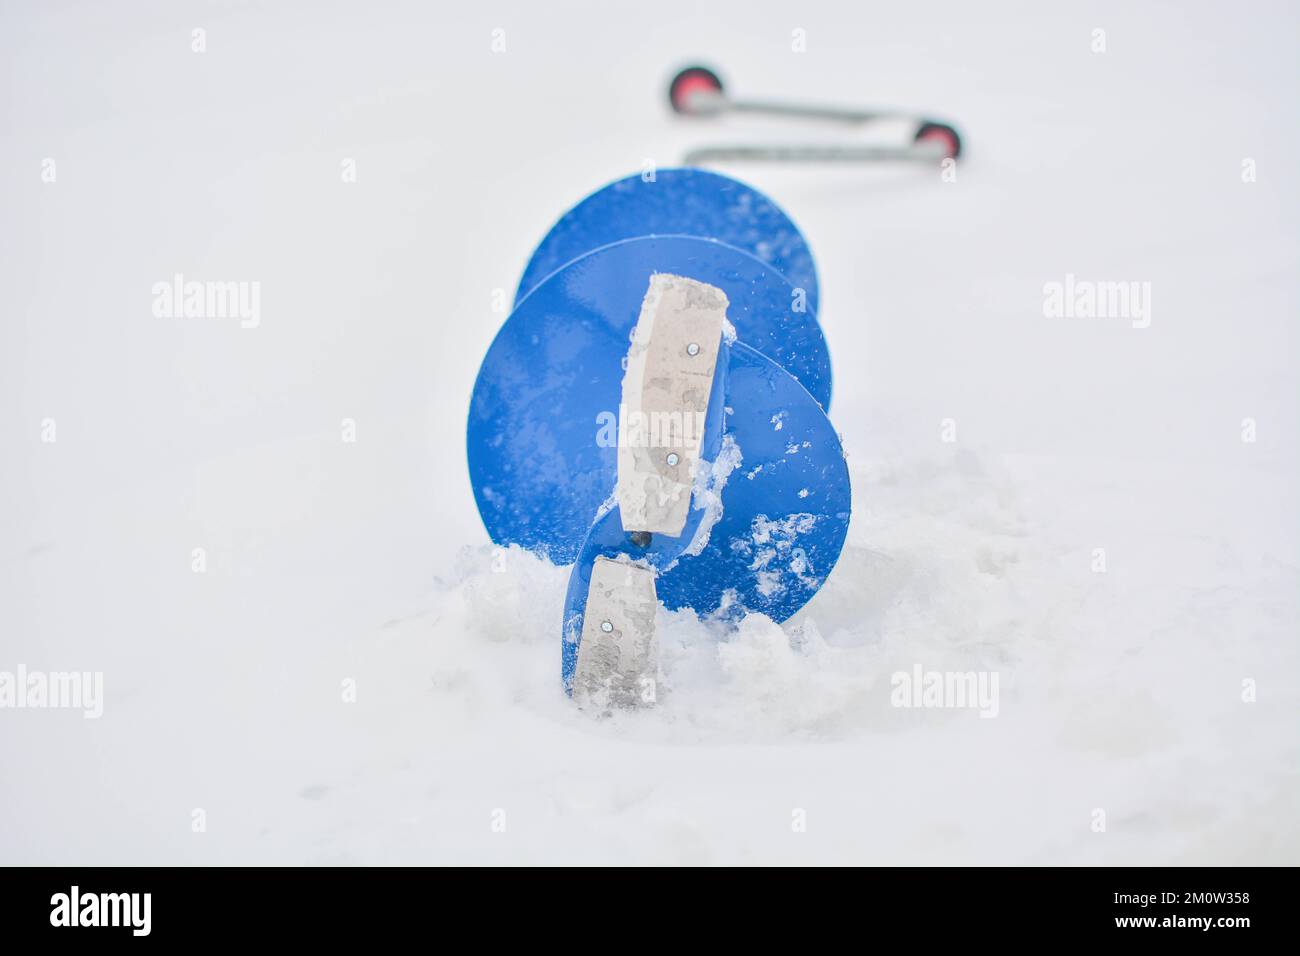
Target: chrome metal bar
x: 834, y: 113
x: 710, y: 103
x: 922, y: 152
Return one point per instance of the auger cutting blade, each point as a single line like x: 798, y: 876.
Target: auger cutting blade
x: 679, y: 202
x: 543, y: 423
x: 775, y: 530
x: 768, y: 508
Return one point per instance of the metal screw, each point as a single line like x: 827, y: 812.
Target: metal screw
x: 693, y: 349
x: 606, y: 626
x: 672, y: 458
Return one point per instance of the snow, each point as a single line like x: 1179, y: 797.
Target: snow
x: 334, y: 564
x: 706, y: 493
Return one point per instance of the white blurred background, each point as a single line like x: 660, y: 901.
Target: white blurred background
x: 365, y: 561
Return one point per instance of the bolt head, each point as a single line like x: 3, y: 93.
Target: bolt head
x: 606, y: 626
x: 693, y: 349
x: 672, y: 458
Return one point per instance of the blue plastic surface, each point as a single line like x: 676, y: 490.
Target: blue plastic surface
x: 538, y: 472
x: 785, y: 509
x: 679, y: 202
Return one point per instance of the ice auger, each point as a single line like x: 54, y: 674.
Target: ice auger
x: 653, y: 412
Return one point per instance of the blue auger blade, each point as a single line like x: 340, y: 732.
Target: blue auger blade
x: 682, y: 202
x: 770, y: 524
x: 607, y: 539
x: 543, y: 417
x: 785, y: 506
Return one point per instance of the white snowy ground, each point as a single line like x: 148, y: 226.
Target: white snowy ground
x: 327, y: 561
